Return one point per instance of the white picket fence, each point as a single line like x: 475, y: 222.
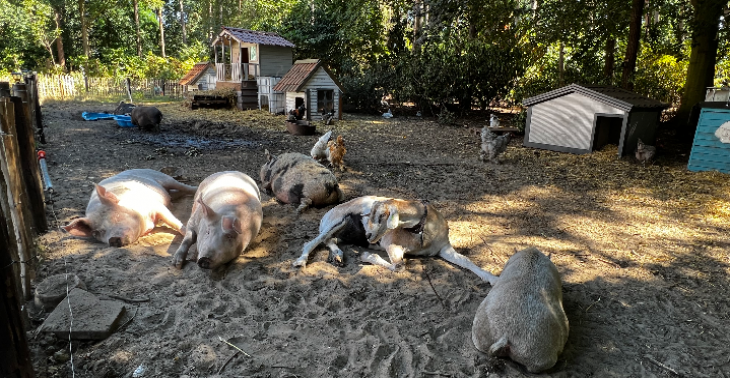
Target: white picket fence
x: 75, y: 86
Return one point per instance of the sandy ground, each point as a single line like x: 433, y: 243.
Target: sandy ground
x: 643, y: 254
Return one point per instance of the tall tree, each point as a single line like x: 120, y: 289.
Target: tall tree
x: 633, y: 44
x: 182, y: 21
x: 136, y: 25
x: 162, y: 31
x: 610, y: 60
x: 701, y: 71
x: 84, y: 27
x: 59, y: 39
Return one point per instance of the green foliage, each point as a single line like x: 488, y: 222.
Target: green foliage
x: 660, y: 76
x: 466, y: 52
x: 445, y: 117
x: 520, y: 120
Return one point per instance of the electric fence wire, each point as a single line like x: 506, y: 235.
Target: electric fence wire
x: 50, y: 201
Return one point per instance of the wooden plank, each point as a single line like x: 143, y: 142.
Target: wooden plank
x: 12, y: 168
x: 8, y: 229
x: 702, y: 166
x: 29, y: 163
x: 709, y: 143
x: 15, y: 358
x: 710, y: 156
x: 35, y: 101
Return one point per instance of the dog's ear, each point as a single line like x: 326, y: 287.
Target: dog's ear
x: 373, y: 211
x: 393, y: 218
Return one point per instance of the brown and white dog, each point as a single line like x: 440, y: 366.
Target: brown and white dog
x: 400, y: 227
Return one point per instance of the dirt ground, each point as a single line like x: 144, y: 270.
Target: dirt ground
x: 643, y: 255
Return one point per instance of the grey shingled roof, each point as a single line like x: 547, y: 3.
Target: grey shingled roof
x: 617, y: 97
x: 252, y: 36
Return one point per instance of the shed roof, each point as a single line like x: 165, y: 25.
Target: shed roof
x: 252, y: 36
x: 195, y: 73
x: 299, y: 74
x: 617, y: 97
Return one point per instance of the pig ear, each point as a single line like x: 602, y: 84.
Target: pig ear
x: 79, y: 227
x: 231, y: 224
x: 393, y: 218
x: 209, y: 213
x: 106, y: 197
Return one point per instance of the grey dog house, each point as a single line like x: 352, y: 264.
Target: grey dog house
x: 581, y: 119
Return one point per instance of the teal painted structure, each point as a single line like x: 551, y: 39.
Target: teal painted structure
x: 708, y: 153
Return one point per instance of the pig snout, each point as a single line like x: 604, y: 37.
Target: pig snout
x: 205, y: 262
x: 119, y: 241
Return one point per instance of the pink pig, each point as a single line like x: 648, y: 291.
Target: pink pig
x: 129, y: 205
x: 226, y: 217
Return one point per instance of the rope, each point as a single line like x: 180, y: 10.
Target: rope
x: 68, y: 299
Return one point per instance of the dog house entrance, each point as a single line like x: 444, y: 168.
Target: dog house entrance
x: 607, y: 131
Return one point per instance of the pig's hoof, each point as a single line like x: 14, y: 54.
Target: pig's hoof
x: 397, y: 267
x: 299, y: 263
x: 178, y: 261
x: 336, y: 260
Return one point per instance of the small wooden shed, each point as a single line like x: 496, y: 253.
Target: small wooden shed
x: 201, y: 77
x: 582, y: 119
x: 311, y: 83
x: 711, y: 146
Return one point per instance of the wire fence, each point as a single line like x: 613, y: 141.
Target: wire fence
x: 76, y: 86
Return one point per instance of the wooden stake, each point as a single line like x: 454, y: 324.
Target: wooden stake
x: 14, y: 353
x: 36, y: 209
x: 12, y: 168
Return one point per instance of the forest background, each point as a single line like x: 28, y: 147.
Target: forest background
x: 428, y: 52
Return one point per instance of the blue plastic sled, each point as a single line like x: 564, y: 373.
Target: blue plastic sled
x: 95, y: 116
x: 123, y: 121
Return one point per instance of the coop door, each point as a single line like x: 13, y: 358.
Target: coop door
x: 607, y: 131
x: 325, y: 100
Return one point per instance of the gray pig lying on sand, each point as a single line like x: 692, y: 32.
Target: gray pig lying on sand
x: 129, y: 205
x: 146, y: 117
x: 522, y: 317
x: 398, y: 226
x: 298, y: 179
x: 226, y: 217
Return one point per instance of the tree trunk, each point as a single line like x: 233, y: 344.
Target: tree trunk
x: 210, y: 21
x: 59, y: 39
x: 162, y: 32
x: 702, y: 59
x: 182, y: 23
x: 610, y: 60
x: 136, y: 25
x: 416, y: 25
x: 561, y: 64
x: 632, y: 48
x: 84, y: 31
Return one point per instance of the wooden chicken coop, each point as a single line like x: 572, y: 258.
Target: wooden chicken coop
x: 246, y: 59
x: 310, y: 83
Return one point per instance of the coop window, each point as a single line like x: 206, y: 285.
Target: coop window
x: 325, y: 100
x: 252, y: 51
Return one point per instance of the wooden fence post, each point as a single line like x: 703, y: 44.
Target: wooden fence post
x: 4, y: 89
x: 36, y: 103
x: 14, y: 353
x: 7, y: 228
x: 128, y: 82
x: 18, y: 203
x: 24, y: 136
